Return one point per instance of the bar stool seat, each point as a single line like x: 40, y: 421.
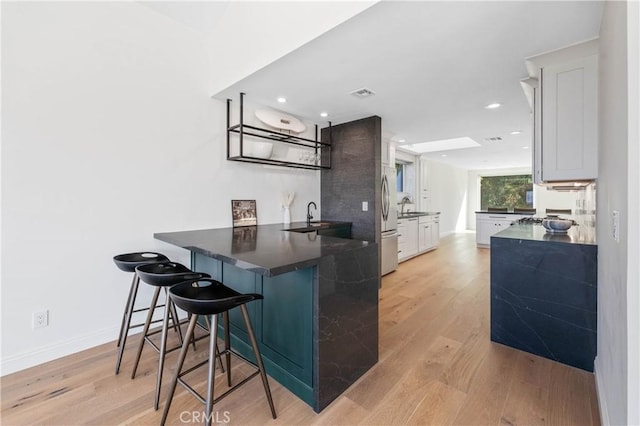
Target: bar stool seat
x: 162, y: 276
x: 128, y: 262
x: 210, y: 297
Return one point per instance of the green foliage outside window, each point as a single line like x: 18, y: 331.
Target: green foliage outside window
x: 506, y: 191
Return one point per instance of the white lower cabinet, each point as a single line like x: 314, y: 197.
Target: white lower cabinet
x: 429, y: 235
x: 417, y: 235
x: 489, y: 224
x: 407, y: 238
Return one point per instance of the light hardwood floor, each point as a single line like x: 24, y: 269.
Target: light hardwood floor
x: 437, y: 366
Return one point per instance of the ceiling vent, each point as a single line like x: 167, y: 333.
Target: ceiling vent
x: 363, y: 93
x: 494, y: 139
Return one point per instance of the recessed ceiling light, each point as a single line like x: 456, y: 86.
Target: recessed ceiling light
x: 443, y: 155
x: 516, y: 132
x: 493, y: 105
x: 324, y: 114
x: 402, y: 141
x: 282, y: 99
x: 525, y: 147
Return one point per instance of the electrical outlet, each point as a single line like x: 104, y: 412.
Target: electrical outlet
x: 365, y: 206
x: 40, y: 319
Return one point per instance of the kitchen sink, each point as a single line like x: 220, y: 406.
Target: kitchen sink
x: 319, y: 224
x: 410, y: 214
x: 310, y: 227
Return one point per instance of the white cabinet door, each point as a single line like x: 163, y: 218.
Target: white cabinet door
x: 424, y: 202
x: 484, y: 230
x: 412, y: 237
x: 435, y: 232
x: 489, y: 224
x: 388, y: 153
x: 429, y: 227
x: 425, y: 238
x: 569, y: 120
x: 402, y: 240
x: 384, y: 155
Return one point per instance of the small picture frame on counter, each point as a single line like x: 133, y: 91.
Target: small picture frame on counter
x: 244, y: 213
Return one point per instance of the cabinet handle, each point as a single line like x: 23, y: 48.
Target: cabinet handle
x: 412, y: 220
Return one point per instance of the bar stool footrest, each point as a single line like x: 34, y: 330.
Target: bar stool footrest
x: 228, y: 391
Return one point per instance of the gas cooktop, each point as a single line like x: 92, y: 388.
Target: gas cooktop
x: 531, y: 220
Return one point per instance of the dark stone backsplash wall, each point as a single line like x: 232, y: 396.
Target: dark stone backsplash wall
x: 354, y: 176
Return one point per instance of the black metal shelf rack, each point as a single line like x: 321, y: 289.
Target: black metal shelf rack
x: 242, y: 130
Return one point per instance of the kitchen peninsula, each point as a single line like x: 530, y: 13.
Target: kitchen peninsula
x: 544, y: 292
x: 317, y: 325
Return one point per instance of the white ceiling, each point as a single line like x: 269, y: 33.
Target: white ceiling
x: 201, y: 16
x: 433, y: 67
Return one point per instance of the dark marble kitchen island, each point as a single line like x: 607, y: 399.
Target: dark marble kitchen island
x: 317, y: 325
x: 544, y: 293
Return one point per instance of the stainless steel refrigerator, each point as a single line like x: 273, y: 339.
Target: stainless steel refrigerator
x: 389, y: 240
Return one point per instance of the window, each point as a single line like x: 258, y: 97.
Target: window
x: 405, y: 178
x: 506, y: 191
x: 400, y: 177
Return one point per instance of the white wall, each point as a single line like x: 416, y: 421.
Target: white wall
x: 542, y: 197
x: 618, y: 360
x: 109, y: 135
x: 447, y: 187
x: 633, y: 253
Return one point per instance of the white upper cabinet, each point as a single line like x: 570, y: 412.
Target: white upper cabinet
x: 424, y: 201
x: 388, y: 152
x: 569, y: 121
x: 563, y: 92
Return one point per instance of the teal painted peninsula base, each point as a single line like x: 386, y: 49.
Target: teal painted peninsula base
x: 281, y: 321
x: 317, y: 325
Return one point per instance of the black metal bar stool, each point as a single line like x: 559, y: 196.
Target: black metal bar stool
x: 163, y: 276
x: 128, y: 263
x: 209, y: 297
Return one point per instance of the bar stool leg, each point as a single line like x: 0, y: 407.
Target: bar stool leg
x: 174, y: 313
x: 163, y: 351
x: 227, y: 346
x: 145, y: 330
x: 213, y: 333
x: 181, y: 358
x: 129, y: 314
x: 218, y: 356
x: 256, y: 351
x: 127, y: 308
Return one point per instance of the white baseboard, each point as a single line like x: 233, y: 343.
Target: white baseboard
x: 602, y: 402
x: 42, y: 354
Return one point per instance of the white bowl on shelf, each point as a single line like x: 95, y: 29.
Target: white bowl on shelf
x: 259, y: 149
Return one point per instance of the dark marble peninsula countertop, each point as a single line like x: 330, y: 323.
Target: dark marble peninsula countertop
x: 531, y: 232
x: 264, y: 249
